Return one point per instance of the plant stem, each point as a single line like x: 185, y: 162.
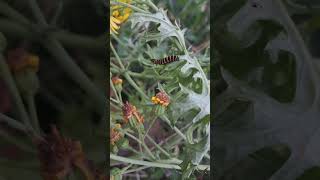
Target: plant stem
x: 159, y: 147
x: 16, y: 142
x: 37, y: 13
x: 165, y: 118
x: 150, y: 126
x: 13, y: 123
x: 33, y: 113
x: 153, y: 6
x: 127, y: 76
x: 146, y: 76
x: 68, y: 39
x: 119, y: 41
x: 114, y: 90
x: 6, y: 10
x: 117, y: 56
x: 129, y: 6
x: 69, y: 66
x: 147, y: 148
x: 144, y: 163
x: 132, y: 83
x: 7, y: 77
x: 140, y: 142
x: 134, y: 170
x: 152, y: 164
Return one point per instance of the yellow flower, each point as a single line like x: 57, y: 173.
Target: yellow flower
x: 161, y: 98
x: 119, y: 14
x: 116, y: 80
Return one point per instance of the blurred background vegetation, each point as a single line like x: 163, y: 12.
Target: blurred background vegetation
x: 247, y: 60
x: 71, y: 78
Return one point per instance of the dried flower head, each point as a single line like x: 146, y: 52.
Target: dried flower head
x: 161, y: 98
x: 130, y: 112
x: 58, y: 156
x: 119, y: 14
x: 115, y: 135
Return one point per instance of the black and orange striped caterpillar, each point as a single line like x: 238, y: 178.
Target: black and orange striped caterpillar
x: 165, y: 60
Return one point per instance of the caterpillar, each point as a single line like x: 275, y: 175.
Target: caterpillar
x: 165, y: 60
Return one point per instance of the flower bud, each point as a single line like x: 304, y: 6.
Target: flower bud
x: 117, y: 82
x: 24, y: 66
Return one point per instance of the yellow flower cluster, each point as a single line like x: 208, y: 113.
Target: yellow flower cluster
x: 161, y: 98
x: 119, y: 14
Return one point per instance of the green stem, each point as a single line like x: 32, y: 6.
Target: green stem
x: 16, y: 142
x: 139, y: 75
x: 179, y: 133
x: 7, y: 77
x: 73, y: 70
x: 116, y: 101
x: 146, y: 147
x: 77, y: 41
x: 127, y: 76
x: 132, y: 83
x: 37, y: 13
x: 152, y: 164
x: 135, y: 151
x: 153, y: 6
x: 165, y: 118
x: 159, y: 147
x: 129, y: 6
x: 135, y: 170
x: 146, y: 76
x: 117, y: 56
x: 114, y: 90
x: 119, y: 41
x: 6, y: 10
x: 150, y: 126
x: 140, y: 142
x: 143, y: 163
x: 33, y: 113
x: 12, y: 123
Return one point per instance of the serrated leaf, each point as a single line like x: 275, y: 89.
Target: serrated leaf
x: 195, y: 101
x: 166, y: 28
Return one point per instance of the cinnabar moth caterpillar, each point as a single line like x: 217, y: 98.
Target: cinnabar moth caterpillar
x: 165, y: 60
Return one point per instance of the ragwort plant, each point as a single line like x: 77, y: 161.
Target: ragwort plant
x: 145, y: 96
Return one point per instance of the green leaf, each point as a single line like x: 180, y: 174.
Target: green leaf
x: 166, y: 28
x: 195, y: 101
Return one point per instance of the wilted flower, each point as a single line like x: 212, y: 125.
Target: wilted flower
x: 161, y: 98
x: 115, y: 135
x: 119, y: 14
x: 59, y: 155
x: 130, y: 112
